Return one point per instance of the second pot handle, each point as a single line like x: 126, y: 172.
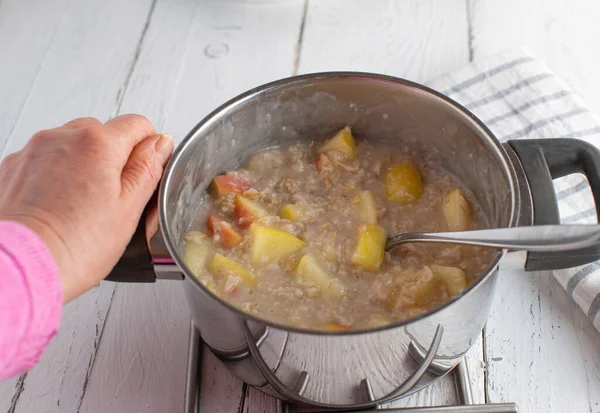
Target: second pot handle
x: 544, y: 160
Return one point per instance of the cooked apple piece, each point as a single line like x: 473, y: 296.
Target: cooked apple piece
x: 196, y: 251
x: 309, y: 270
x: 227, y: 236
x: 329, y: 253
x: 403, y: 183
x: 269, y: 244
x: 266, y: 160
x: 334, y: 326
x: 323, y: 163
x: 456, y: 211
x: 419, y: 288
x: 247, y: 211
x: 454, y: 278
x: 392, y: 295
x: 379, y: 320
x: 211, y: 288
x: 208, y: 281
x: 397, y: 295
x: 227, y: 184
x: 427, y: 286
x: 221, y: 266
x: 370, y: 247
x: 367, y: 207
x: 342, y: 142
x: 222, y: 232
x: 290, y: 212
x: 212, y: 222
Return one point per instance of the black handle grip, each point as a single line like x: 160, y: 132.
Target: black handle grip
x: 544, y: 160
x: 136, y: 264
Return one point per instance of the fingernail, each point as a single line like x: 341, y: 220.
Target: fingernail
x: 164, y: 145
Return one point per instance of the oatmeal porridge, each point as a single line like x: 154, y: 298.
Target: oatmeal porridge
x: 297, y: 235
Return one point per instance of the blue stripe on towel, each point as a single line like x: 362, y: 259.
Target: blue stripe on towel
x: 482, y: 76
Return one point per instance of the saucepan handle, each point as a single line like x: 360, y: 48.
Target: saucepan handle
x: 544, y: 160
x: 146, y: 257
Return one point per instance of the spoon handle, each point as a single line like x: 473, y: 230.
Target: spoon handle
x: 539, y: 238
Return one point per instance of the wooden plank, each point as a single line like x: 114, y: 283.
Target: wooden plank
x: 541, y: 352
x: 67, y: 59
x: 26, y: 34
x: 221, y: 391
x: 58, y: 382
x: 195, y: 55
x: 562, y: 34
x: 152, y: 319
x: 258, y: 402
x: 475, y: 361
x: 231, y: 49
x: 414, y: 39
x: 155, y: 79
x: 141, y: 362
x: 84, y: 67
x: 17, y: 23
x: 10, y: 391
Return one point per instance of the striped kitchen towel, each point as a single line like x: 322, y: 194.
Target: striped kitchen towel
x: 518, y: 97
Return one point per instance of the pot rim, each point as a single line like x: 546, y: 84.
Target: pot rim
x: 213, y: 118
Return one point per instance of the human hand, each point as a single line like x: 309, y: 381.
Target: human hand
x: 82, y: 188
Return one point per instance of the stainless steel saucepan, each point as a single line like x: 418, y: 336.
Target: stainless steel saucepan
x: 512, y: 183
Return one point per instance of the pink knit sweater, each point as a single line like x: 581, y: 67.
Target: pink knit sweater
x: 30, y: 298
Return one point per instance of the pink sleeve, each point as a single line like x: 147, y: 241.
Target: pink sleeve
x: 30, y: 298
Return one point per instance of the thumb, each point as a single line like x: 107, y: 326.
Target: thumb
x: 144, y: 168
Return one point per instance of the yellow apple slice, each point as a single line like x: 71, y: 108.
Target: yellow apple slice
x: 335, y: 326
x: 270, y: 244
x: 367, y: 207
x: 221, y: 266
x: 403, y: 183
x: 196, y: 251
x: 342, y: 142
x: 454, y: 278
x: 247, y: 211
x: 370, y: 247
x: 309, y: 270
x: 290, y: 212
x: 456, y: 211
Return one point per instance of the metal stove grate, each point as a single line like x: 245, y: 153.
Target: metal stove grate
x: 461, y: 380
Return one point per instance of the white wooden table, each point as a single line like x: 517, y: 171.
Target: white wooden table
x: 122, y: 348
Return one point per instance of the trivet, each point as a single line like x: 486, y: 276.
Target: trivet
x: 462, y: 383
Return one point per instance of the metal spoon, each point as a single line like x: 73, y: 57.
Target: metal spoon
x: 540, y: 238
